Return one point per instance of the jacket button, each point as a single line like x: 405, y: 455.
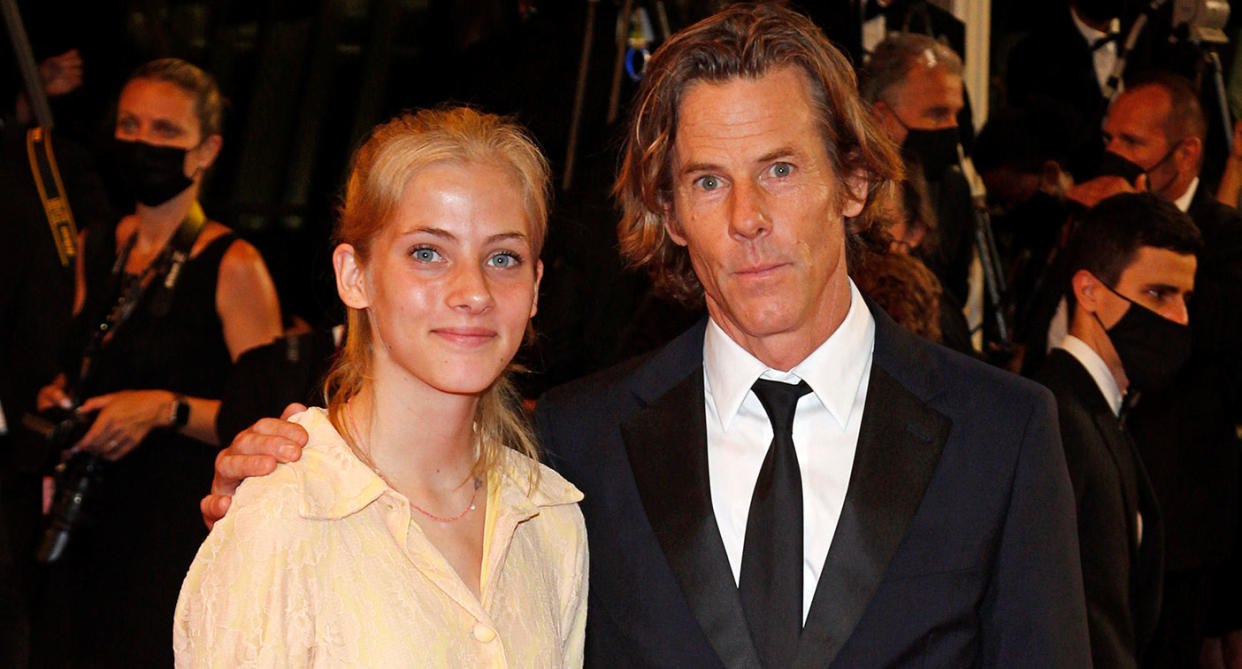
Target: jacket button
x: 483, y: 633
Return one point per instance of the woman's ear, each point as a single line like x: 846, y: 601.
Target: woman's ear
x: 351, y: 282
x: 534, y: 304
x: 209, y: 150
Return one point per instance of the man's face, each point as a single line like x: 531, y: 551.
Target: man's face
x: 1159, y: 279
x: 1134, y: 129
x: 929, y: 98
x: 757, y: 204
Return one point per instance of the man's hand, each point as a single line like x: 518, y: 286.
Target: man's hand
x: 1089, y: 193
x: 254, y: 452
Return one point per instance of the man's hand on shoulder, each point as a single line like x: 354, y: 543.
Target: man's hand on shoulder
x: 1089, y: 193
x: 254, y: 452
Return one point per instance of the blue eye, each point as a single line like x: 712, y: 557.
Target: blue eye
x: 708, y: 182
x: 425, y: 254
x: 505, y: 259
x: 782, y: 170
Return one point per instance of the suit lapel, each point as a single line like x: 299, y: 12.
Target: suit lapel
x: 1123, y: 459
x: 667, y: 446
x: 899, y: 445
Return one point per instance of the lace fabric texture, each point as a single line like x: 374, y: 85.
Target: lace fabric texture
x: 319, y: 565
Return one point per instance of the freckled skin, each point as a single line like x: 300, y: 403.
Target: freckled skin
x: 756, y: 204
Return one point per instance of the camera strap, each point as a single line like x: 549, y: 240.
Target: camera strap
x: 52, y: 194
x: 161, y: 273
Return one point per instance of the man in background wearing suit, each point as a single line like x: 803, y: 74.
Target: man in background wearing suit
x: 795, y: 481
x: 1186, y: 431
x: 1132, y: 259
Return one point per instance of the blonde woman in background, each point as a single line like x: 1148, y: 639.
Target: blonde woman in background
x: 418, y: 528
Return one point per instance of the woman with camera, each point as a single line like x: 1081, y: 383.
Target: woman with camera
x: 418, y: 528
x: 164, y: 302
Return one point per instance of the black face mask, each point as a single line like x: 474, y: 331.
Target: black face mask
x: 1151, y: 347
x: 154, y: 174
x: 936, y: 150
x: 1115, y: 165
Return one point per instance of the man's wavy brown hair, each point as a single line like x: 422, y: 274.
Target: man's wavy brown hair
x: 748, y: 41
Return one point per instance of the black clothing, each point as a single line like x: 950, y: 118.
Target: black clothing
x: 267, y: 378
x: 1121, y: 574
x: 36, y: 303
x: 958, y: 467
x: 1187, y: 437
x: 1052, y: 68
x: 954, y: 246
x: 113, y: 594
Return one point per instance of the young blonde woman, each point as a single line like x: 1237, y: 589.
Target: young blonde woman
x: 418, y: 528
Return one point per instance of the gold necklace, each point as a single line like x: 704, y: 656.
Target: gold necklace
x: 353, y: 427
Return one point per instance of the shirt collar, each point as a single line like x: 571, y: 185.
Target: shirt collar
x: 1097, y: 368
x: 833, y: 370
x: 335, y: 483
x: 1091, y: 34
x: 1183, y: 202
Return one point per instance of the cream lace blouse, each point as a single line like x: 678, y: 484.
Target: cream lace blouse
x: 319, y: 565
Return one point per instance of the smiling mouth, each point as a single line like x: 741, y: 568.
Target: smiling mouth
x: 466, y: 336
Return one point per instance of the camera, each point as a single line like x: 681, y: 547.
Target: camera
x: 52, y: 432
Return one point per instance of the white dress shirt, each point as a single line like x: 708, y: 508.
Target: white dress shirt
x: 1097, y: 368
x: 1105, y: 57
x: 825, y: 432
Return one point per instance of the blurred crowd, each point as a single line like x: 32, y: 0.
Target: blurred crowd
x: 982, y: 250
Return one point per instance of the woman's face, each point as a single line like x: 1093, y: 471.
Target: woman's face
x: 452, y: 280
x: 160, y: 113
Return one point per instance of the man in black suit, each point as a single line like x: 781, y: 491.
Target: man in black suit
x: 1064, y: 65
x: 1133, y: 265
x: 914, y: 86
x: 794, y: 481
x: 1186, y: 431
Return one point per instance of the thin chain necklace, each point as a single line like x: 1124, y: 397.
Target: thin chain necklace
x: 353, y: 427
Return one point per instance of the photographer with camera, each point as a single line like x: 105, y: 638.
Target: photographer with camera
x: 163, y: 302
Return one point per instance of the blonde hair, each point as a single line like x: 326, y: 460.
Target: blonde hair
x: 380, y: 170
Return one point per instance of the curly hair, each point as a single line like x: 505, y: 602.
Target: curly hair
x: 748, y: 41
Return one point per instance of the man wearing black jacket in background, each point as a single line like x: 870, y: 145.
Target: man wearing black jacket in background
x: 1133, y: 265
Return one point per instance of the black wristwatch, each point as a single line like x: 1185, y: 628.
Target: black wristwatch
x: 180, y: 413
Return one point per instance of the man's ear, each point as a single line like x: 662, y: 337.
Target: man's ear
x: 1086, y: 290
x: 1189, y: 154
x: 855, y: 194
x: 351, y: 282
x: 671, y: 228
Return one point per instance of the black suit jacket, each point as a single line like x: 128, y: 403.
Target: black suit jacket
x: 956, y: 544
x: 1122, y: 576
x: 1186, y: 433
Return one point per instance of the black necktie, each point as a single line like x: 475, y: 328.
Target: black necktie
x: 771, y: 579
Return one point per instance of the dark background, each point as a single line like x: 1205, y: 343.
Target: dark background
x: 306, y: 79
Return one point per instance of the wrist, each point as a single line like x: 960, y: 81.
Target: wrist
x: 178, y: 415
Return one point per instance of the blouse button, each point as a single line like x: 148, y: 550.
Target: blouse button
x: 483, y: 633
